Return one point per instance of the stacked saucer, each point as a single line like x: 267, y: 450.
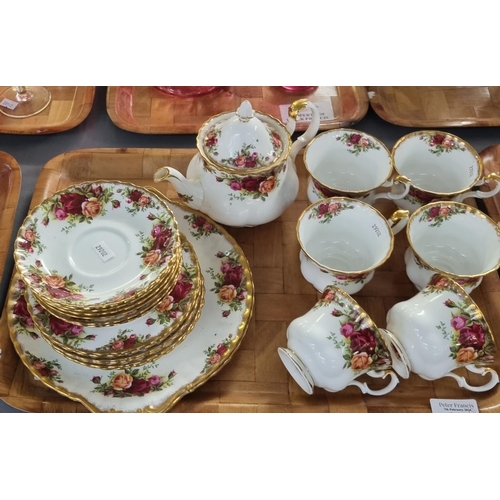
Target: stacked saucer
x: 105, y: 261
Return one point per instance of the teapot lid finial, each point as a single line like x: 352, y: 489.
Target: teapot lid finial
x: 245, y: 111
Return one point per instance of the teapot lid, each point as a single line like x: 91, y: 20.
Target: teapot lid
x: 242, y: 140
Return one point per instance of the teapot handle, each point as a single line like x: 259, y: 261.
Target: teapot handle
x: 311, y: 131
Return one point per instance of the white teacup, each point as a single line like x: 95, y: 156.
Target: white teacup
x: 343, y: 241
x: 451, y: 238
x: 333, y: 344
x: 440, y: 166
x: 351, y: 163
x: 439, y: 330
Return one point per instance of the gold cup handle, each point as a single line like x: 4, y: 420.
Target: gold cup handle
x: 495, y: 177
x: 312, y: 129
x: 398, y: 220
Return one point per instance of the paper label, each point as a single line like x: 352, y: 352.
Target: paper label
x: 454, y: 406
x: 103, y: 250
x: 7, y: 103
x: 325, y: 112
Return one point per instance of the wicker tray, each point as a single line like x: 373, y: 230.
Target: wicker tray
x: 146, y: 110
x: 433, y: 107
x: 68, y: 108
x: 255, y: 380
x: 10, y: 187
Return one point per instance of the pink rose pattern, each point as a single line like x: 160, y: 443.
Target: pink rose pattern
x: 45, y: 368
x: 360, y: 341
x: 417, y: 197
x: 437, y: 214
x: 230, y: 284
x: 441, y: 143
x: 132, y: 382
x: 246, y: 158
x: 357, y: 142
x: 23, y: 321
x: 469, y: 336
x: 324, y: 212
x: 200, y: 226
x: 216, y: 352
x: 125, y: 339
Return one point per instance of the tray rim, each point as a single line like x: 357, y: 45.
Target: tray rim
x: 359, y: 90
x: 73, y: 121
x: 11, y: 203
x: 382, y: 112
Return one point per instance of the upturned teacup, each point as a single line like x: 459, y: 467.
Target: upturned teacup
x: 343, y: 241
x: 439, y: 166
x: 353, y: 164
x: 439, y: 330
x: 333, y: 344
x: 451, y: 238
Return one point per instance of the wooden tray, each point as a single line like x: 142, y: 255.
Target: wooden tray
x: 68, y: 108
x: 433, y: 107
x: 146, y: 110
x: 255, y: 379
x: 10, y: 187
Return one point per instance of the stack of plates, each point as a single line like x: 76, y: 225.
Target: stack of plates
x: 103, y: 258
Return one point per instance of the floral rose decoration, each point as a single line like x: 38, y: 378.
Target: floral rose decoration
x: 72, y: 203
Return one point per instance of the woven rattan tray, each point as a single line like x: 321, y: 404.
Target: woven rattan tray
x: 10, y: 187
x: 146, y: 110
x: 433, y: 107
x: 68, y: 108
x: 255, y: 380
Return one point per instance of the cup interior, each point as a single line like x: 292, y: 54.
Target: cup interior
x: 455, y: 238
x: 348, y: 160
x: 344, y: 235
x: 437, y: 162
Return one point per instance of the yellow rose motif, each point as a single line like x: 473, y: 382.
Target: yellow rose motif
x: 466, y: 355
x: 361, y: 361
x: 54, y: 281
x: 227, y: 293
x: 92, y: 207
x: 166, y: 304
x: 152, y: 257
x: 122, y: 381
x: 268, y: 185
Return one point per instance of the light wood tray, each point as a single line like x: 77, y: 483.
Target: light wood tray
x: 68, y: 108
x: 147, y: 110
x: 433, y: 107
x: 10, y: 187
x: 255, y: 379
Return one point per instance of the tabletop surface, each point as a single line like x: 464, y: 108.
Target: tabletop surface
x: 98, y: 131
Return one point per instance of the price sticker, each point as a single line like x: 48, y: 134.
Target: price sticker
x: 7, y: 103
x: 454, y: 406
x: 324, y: 108
x: 103, y: 250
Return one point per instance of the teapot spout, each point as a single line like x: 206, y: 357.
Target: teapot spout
x: 189, y: 190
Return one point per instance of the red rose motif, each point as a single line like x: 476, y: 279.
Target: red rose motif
x: 181, y: 289
x: 363, y: 341
x: 472, y: 337
x: 135, y: 195
x: 323, y: 209
x: 251, y: 161
x: 58, y: 293
x: 421, y: 195
x: 60, y: 327
x: 115, y: 203
x: 347, y: 330
x: 162, y: 239
x: 458, y: 322
x: 139, y: 386
x: 130, y: 341
x: 234, y: 276
x: 438, y: 139
x: 434, y: 212
x: 221, y: 349
x: 72, y: 203
x: 45, y: 372
x: 251, y: 183
x: 354, y: 138
x: 97, y: 190
x: 200, y: 221
x: 21, y: 308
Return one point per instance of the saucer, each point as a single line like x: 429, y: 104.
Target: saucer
x: 157, y: 386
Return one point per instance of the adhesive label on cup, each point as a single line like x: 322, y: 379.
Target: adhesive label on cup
x: 103, y: 250
x: 454, y: 406
x: 7, y: 103
x: 324, y: 108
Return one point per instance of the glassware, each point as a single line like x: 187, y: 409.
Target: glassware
x: 299, y: 89
x: 30, y: 101
x: 189, y: 91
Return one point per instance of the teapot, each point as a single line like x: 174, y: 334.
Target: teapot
x: 244, y: 172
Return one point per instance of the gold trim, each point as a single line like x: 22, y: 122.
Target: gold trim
x: 354, y: 131
x: 399, y: 215
x: 107, y: 307
x: 213, y: 165
x: 350, y: 200
x: 296, y: 107
x: 469, y: 209
x: 446, y: 134
x: 188, y: 388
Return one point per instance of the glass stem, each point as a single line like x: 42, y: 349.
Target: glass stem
x: 22, y: 95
